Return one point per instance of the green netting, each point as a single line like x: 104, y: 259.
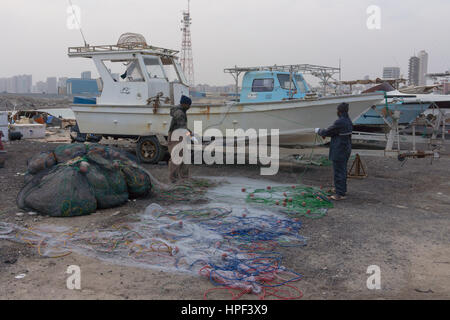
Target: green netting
x: 192, y: 190
x: 64, y: 192
x: 295, y: 201
x: 70, y: 151
x: 40, y: 162
x: 106, y: 156
x: 109, y: 186
x: 80, y: 180
x: 138, y: 181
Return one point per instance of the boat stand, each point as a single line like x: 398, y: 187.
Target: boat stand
x: 357, y: 170
x: 394, y: 138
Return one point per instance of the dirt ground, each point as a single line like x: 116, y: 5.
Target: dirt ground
x: 398, y: 218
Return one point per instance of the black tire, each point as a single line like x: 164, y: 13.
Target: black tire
x: 149, y: 150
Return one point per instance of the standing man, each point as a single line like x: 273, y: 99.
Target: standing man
x: 179, y: 121
x: 340, y: 148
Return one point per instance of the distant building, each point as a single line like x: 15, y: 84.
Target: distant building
x: 41, y: 87
x: 2, y: 85
x: 413, y: 73
x: 11, y: 85
x: 17, y: 84
x: 62, y: 82
x: 62, y: 85
x: 86, y: 75
x: 82, y: 87
x: 423, y: 67
x: 391, y: 73
x: 52, y: 86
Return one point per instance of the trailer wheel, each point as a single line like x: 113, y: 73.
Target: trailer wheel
x: 149, y: 150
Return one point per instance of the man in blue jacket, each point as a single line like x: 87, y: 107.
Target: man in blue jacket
x: 340, y: 148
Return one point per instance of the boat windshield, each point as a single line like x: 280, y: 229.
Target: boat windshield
x: 301, y: 84
x: 124, y: 71
x: 285, y: 82
x: 180, y: 73
x: 170, y: 69
x: 154, y: 69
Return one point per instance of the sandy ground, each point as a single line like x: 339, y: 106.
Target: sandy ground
x: 398, y: 219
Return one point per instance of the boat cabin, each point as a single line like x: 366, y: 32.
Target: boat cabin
x: 134, y: 73
x: 268, y: 86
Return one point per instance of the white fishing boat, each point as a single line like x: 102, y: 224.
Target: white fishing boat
x: 136, y: 103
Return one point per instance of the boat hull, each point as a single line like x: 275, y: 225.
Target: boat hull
x: 295, y: 119
x: 408, y: 112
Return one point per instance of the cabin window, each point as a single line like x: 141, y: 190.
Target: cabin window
x: 301, y: 84
x: 286, y: 82
x: 154, y: 68
x: 181, y: 74
x: 124, y: 71
x: 170, y: 70
x: 262, y: 85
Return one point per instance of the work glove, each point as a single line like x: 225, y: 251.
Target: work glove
x: 194, y: 139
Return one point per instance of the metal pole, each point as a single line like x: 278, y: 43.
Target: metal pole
x: 290, y: 82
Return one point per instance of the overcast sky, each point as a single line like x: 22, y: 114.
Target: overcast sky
x: 35, y: 37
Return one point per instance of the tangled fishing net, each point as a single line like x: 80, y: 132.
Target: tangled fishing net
x: 295, y: 201
x: 236, y: 251
x: 237, y: 241
x: 78, y: 179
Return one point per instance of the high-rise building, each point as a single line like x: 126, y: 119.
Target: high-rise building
x: 423, y: 67
x: 52, y: 87
x: 413, y: 73
x: 62, y: 82
x: 16, y: 84
x: 11, y: 85
x: 62, y: 85
x: 86, y: 75
x: 391, y: 73
x: 23, y: 83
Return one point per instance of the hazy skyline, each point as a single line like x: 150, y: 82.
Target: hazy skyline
x: 35, y: 36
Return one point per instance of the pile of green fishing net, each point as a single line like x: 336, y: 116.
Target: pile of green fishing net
x: 295, y: 201
x: 77, y: 179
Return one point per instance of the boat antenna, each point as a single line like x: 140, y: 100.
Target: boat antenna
x: 78, y: 23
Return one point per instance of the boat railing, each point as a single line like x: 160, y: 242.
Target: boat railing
x: 121, y: 48
x: 303, y: 68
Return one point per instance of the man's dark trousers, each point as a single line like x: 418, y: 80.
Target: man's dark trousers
x: 340, y: 176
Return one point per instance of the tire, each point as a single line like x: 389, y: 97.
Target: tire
x: 149, y: 150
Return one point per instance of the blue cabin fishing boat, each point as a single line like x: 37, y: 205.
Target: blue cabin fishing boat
x: 269, y: 86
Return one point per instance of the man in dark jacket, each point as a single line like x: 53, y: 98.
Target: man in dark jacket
x: 340, y: 148
x: 179, y: 121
